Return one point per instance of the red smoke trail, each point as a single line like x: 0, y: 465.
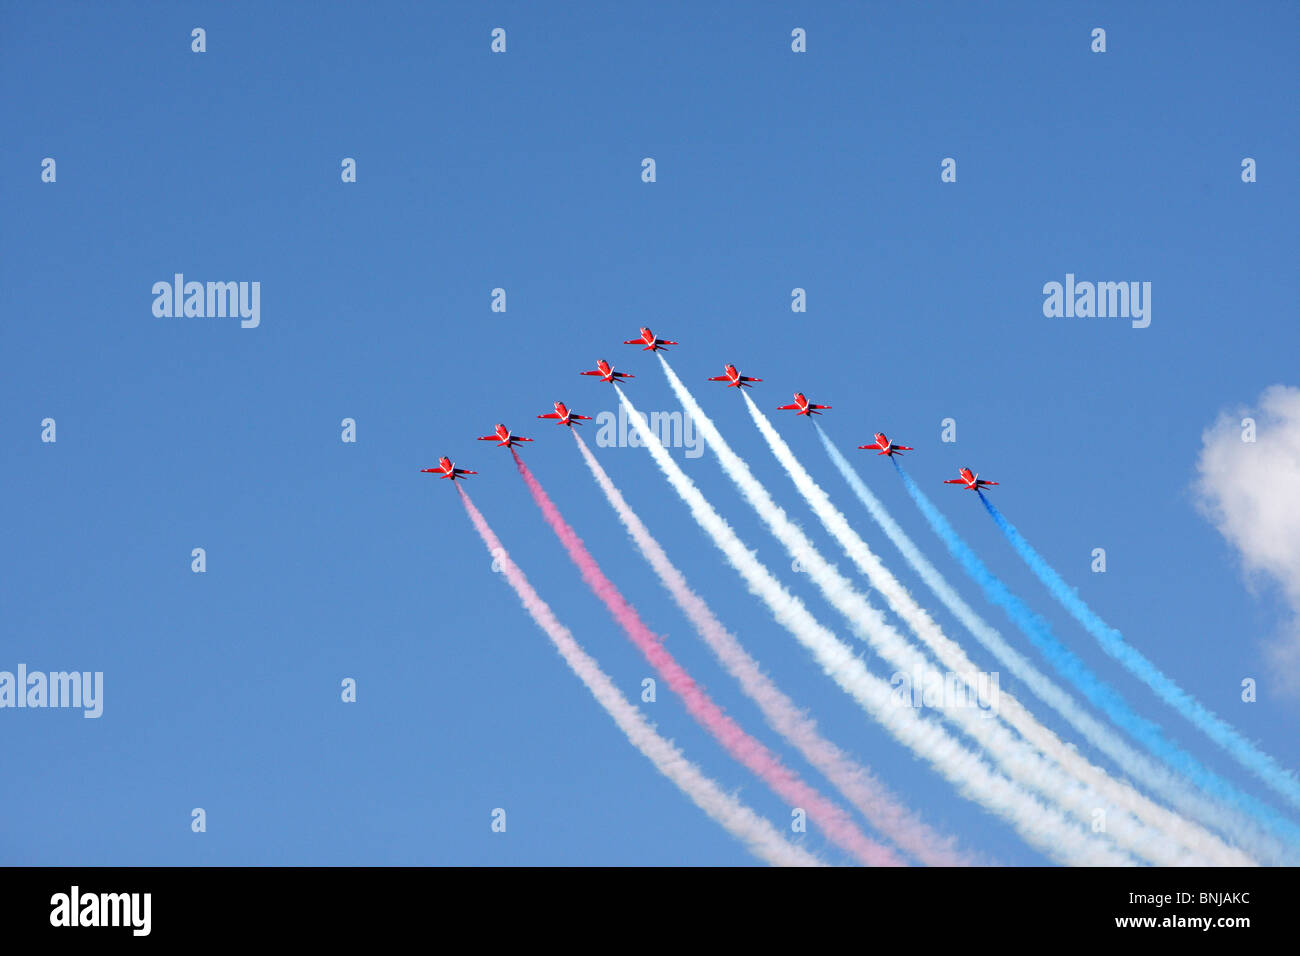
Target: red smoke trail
x: 834, y: 822
x: 760, y: 836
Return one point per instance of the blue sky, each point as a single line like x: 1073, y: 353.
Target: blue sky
x: 775, y: 170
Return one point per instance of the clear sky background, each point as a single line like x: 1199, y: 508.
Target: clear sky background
x: 775, y: 170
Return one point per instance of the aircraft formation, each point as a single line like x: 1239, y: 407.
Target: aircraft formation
x: 1013, y: 766
x: 563, y: 415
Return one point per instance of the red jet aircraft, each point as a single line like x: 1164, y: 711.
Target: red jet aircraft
x: 968, y: 478
x: 503, y: 438
x: 606, y: 373
x: 446, y: 469
x: 651, y: 343
x: 801, y: 406
x: 565, y: 416
x: 884, y: 446
x: 733, y: 378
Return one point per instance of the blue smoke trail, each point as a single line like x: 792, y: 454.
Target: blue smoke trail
x: 1173, y: 787
x: 1101, y: 694
x: 1113, y: 643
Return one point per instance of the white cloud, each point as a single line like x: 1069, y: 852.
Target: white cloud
x: 1251, y: 492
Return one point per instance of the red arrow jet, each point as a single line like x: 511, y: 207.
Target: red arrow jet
x: 651, y: 343
x: 884, y: 446
x: 446, y: 469
x: 503, y: 438
x: 972, y: 481
x: 801, y: 406
x: 606, y: 373
x: 734, y: 379
x: 564, y: 416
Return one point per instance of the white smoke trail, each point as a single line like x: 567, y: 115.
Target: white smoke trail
x: 856, y: 782
x: 762, y: 839
x: 1181, y: 845
x: 1016, y: 759
x: 1042, y: 826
